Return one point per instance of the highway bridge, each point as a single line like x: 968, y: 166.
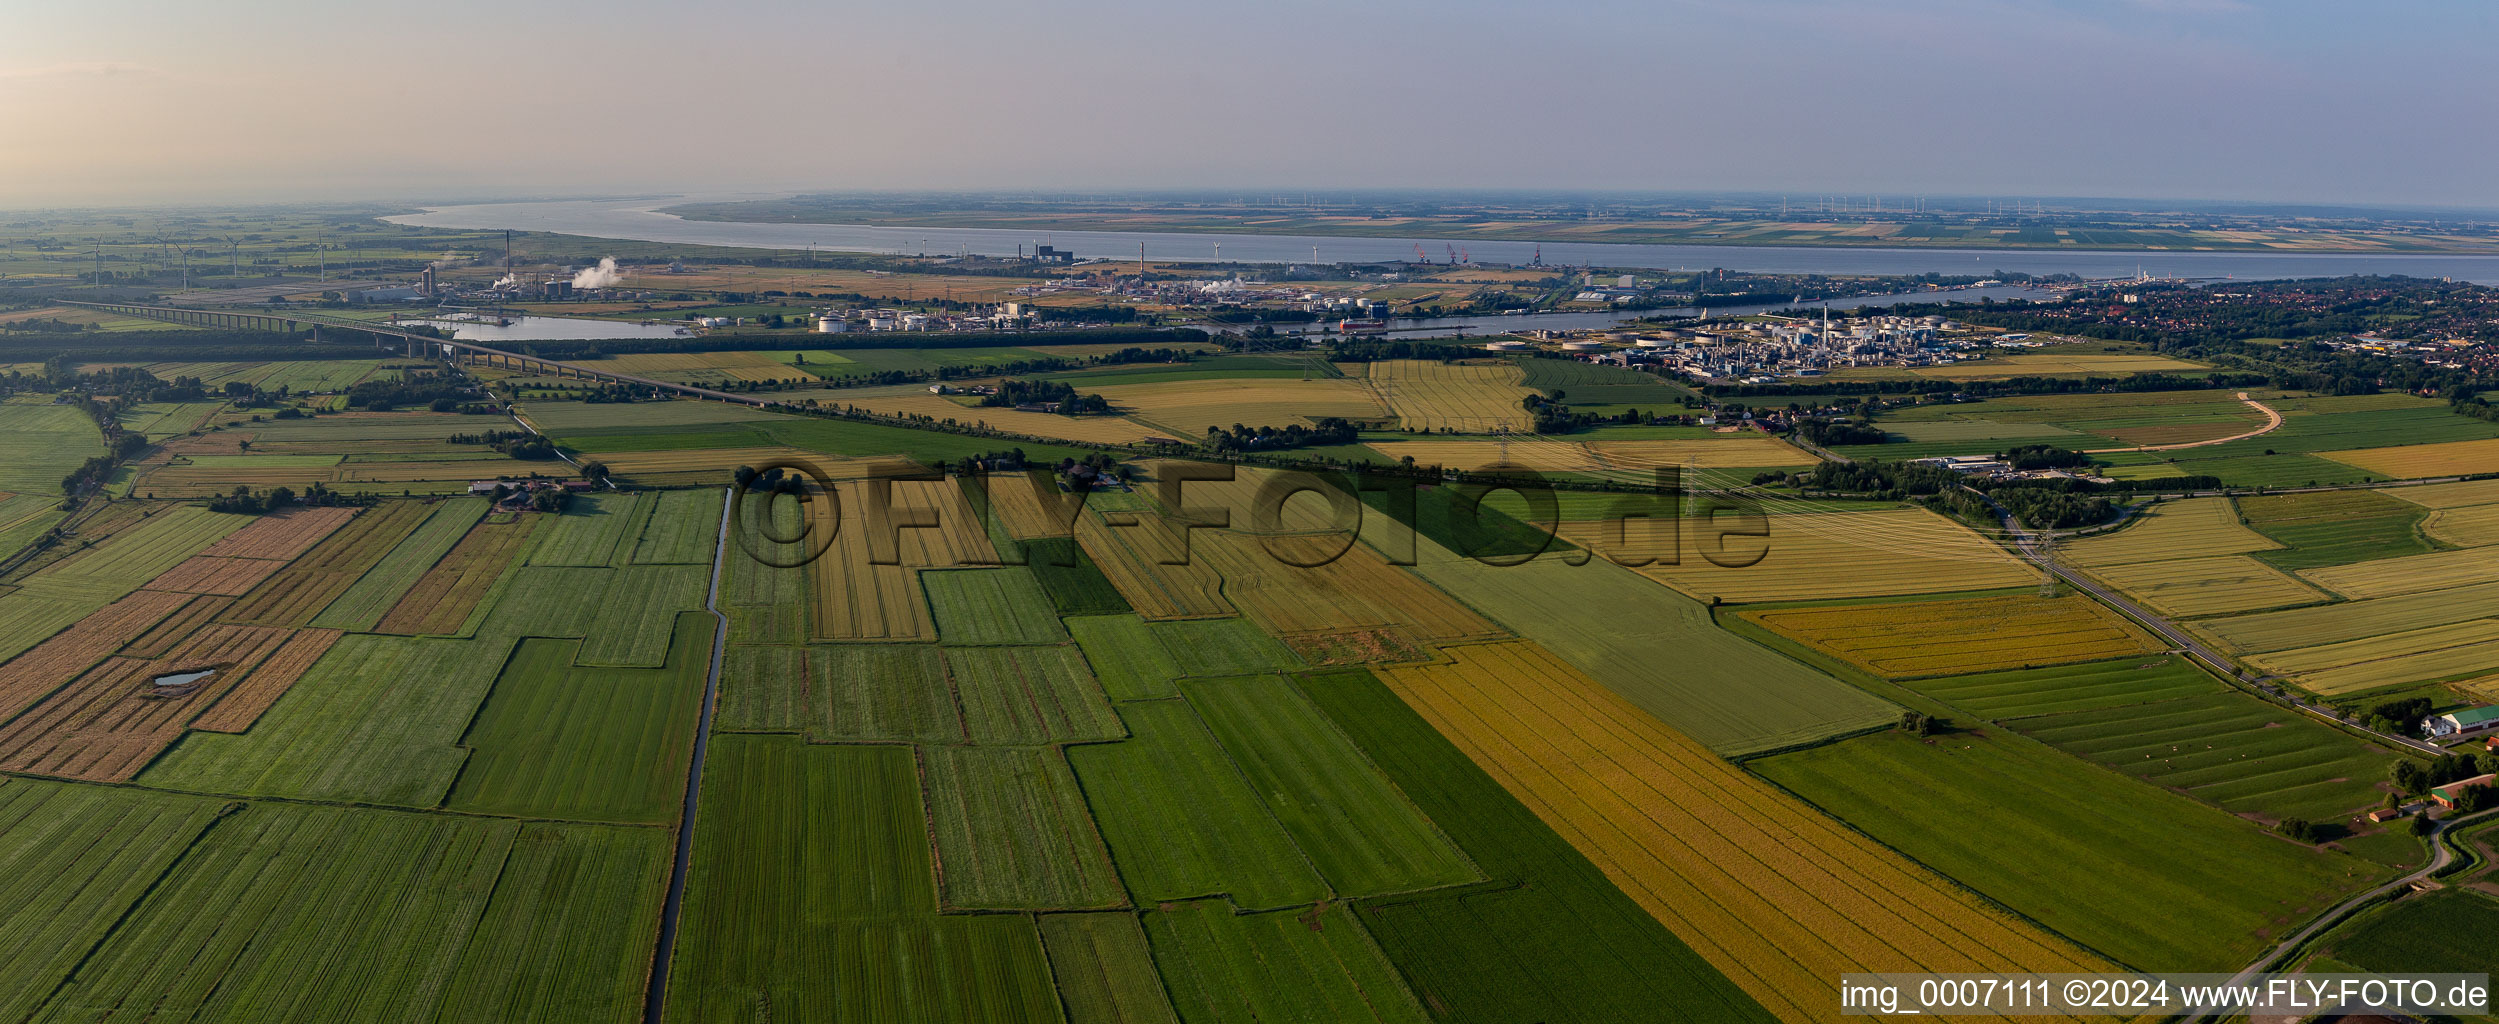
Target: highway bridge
x: 410, y: 344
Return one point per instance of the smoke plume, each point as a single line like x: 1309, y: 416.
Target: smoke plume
x: 605, y: 275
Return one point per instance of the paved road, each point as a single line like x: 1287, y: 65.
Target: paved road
x: 2178, y: 638
x: 655, y: 997
x: 2442, y: 856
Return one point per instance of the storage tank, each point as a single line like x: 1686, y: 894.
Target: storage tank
x: 831, y: 324
x: 1583, y: 346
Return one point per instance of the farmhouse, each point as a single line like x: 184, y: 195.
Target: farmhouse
x: 2463, y: 723
x: 2453, y: 792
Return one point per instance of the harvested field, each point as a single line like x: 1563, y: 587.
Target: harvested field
x: 991, y: 606
x: 2190, y: 528
x: 683, y: 529
x: 442, y: 601
x: 2411, y: 574
x: 1434, y: 396
x: 110, y: 722
x: 2455, y: 495
x: 364, y: 604
x: 1364, y: 836
x: 28, y: 677
x: 282, y: 535
x: 2409, y: 462
x: 156, y: 641
x: 1899, y: 551
x: 294, y: 596
x: 223, y: 577
x: 1356, y: 590
x: 1137, y: 559
x: 2464, y: 527
x: 1309, y: 966
x: 2214, y: 585
x: 1030, y: 695
x: 1910, y: 639
x: 1013, y: 832
x: 1770, y: 892
x: 247, y: 700
x: 853, y: 598
x: 1028, y: 507
x: 871, y: 693
x: 1184, y: 409
x: 952, y: 535
x: 1180, y: 820
x: 2435, y: 652
x: 2351, y: 620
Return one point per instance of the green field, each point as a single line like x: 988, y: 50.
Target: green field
x: 1314, y: 965
x: 2452, y: 930
x: 323, y: 913
x: 1130, y: 662
x: 761, y: 688
x: 1030, y: 695
x: 377, y: 720
x: 2040, y: 691
x: 2231, y: 750
x: 1104, y: 970
x: 2335, y: 527
x: 556, y: 740
x: 136, y: 555
x: 811, y: 898
x: 1076, y: 586
x: 1222, y: 647
x: 595, y: 529
x: 874, y: 692
x: 2156, y: 881
x: 1660, y: 651
x: 1554, y: 940
x: 1013, y: 832
x: 1363, y: 836
x: 362, y: 606
x: 73, y: 860
x: 683, y: 529
x: 1181, y: 823
x: 638, y: 608
x: 1588, y: 384
x: 599, y: 435
x: 990, y: 606
x: 40, y: 443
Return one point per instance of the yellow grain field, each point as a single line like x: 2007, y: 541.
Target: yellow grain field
x: 1183, y: 409
x: 1907, y: 640
x: 2177, y: 529
x: 1841, y: 554
x: 2464, y: 527
x: 1744, y: 450
x: 1136, y: 559
x: 2410, y: 574
x: 1357, y: 590
x: 2436, y: 652
x: 860, y: 588
x: 2455, y: 495
x: 2406, y: 462
x: 2218, y: 585
x: 916, y: 401
x: 1469, y: 398
x: 1774, y: 894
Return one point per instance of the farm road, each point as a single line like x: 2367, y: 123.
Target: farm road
x: 2273, y: 421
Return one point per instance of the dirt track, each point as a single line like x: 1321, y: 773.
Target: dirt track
x: 2272, y: 420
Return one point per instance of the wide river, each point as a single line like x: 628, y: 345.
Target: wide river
x: 639, y: 220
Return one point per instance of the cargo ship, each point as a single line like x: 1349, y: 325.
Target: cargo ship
x: 1361, y: 326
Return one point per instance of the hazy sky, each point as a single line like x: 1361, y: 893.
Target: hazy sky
x: 2389, y: 101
